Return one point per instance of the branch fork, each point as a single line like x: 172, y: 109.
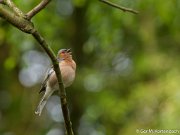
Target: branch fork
x: 11, y: 13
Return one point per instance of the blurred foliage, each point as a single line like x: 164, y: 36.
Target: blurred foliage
x: 128, y: 68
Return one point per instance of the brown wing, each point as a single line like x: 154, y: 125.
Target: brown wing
x: 44, y: 83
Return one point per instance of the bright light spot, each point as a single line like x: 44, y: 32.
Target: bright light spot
x: 36, y: 66
x: 122, y: 65
x: 65, y: 7
x: 31, y: 76
x: 54, y: 109
x: 92, y: 113
x: 87, y: 127
x: 93, y: 82
x: 10, y: 63
x: 55, y: 132
x: 95, y: 132
x: 26, y: 45
x: 35, y: 57
x: 90, y: 45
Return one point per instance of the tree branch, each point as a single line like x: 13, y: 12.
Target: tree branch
x: 17, y: 19
x: 11, y: 5
x: 19, y: 22
x: 120, y: 7
x: 37, y: 9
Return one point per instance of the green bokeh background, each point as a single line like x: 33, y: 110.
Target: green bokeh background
x: 128, y: 68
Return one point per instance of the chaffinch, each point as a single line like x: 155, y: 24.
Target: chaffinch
x: 50, y: 84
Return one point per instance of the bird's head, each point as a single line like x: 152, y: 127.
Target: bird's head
x: 64, y: 54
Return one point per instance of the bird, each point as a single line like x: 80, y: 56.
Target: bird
x: 50, y: 84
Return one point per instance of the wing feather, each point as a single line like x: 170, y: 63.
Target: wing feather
x: 44, y: 83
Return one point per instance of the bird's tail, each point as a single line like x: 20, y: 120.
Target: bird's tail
x: 41, y: 106
x: 43, y: 102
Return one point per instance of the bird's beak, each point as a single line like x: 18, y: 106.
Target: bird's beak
x: 68, y: 50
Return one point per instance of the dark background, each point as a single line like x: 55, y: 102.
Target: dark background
x: 128, y: 68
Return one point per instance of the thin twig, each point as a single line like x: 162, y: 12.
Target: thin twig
x: 37, y: 9
x: 119, y: 7
x: 12, y: 6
